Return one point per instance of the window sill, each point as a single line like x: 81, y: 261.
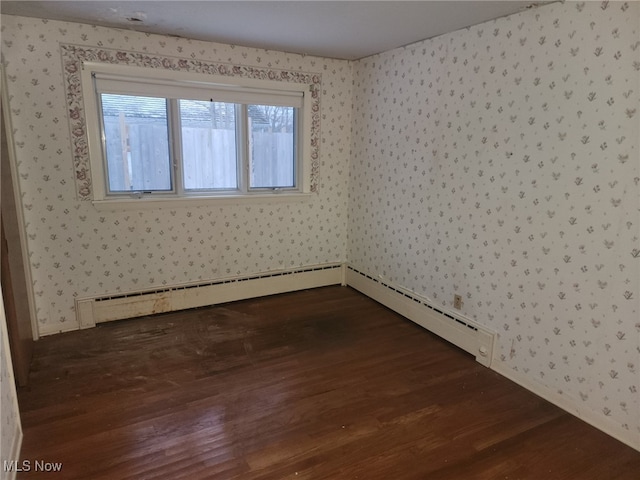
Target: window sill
x: 130, y: 203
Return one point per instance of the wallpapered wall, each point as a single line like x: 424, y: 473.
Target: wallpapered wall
x: 77, y: 251
x: 500, y: 162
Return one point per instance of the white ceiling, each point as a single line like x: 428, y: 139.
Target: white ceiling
x: 338, y: 29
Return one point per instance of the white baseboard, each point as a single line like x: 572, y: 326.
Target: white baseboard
x: 90, y: 311
x: 46, y: 331
x: 14, y: 456
x: 462, y: 332
x: 570, y: 405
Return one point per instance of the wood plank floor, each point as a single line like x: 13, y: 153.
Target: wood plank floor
x: 319, y: 384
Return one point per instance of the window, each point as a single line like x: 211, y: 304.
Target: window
x: 169, y: 135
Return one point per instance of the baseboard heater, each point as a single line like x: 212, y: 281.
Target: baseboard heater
x: 91, y: 311
x: 460, y: 331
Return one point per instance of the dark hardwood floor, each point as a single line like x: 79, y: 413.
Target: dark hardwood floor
x: 319, y: 384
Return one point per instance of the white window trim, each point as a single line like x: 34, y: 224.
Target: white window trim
x: 159, y: 79
x: 143, y: 203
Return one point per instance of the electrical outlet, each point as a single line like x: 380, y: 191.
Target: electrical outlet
x: 457, y: 302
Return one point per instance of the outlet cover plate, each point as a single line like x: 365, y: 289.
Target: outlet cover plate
x: 457, y: 302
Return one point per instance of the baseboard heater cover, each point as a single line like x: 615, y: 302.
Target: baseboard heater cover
x: 91, y: 311
x: 456, y: 329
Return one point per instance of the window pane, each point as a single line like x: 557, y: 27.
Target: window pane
x: 272, y: 155
x: 208, y: 145
x: 137, y: 143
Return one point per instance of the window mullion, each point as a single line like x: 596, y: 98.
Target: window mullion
x: 175, y: 137
x: 242, y: 147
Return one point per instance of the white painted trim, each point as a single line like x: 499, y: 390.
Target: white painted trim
x: 200, y: 80
x: 568, y: 404
x: 343, y: 282
x: 91, y: 311
x: 15, y: 452
x: 8, y: 126
x: 175, y: 201
x: 472, y: 337
x: 47, y: 331
x: 84, y: 313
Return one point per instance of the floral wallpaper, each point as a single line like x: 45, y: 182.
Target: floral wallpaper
x: 77, y: 251
x: 500, y: 162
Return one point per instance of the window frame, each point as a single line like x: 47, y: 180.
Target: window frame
x: 152, y: 81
